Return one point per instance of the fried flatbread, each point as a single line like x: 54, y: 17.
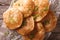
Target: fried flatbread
x: 13, y: 18
x: 49, y: 21
x: 25, y: 6
x: 41, y: 9
x: 27, y: 26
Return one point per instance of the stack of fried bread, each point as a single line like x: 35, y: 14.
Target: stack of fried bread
x: 30, y: 18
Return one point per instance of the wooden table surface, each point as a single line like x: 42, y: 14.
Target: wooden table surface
x: 4, y: 4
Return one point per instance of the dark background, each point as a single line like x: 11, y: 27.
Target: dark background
x: 4, y: 4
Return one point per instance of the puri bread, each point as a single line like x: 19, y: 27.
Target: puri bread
x: 27, y: 26
x: 41, y: 9
x: 25, y: 6
x: 41, y: 32
x: 49, y: 21
x: 13, y: 18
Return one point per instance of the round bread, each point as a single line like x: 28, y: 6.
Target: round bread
x: 25, y: 6
x: 41, y: 9
x: 40, y: 32
x: 37, y: 34
x: 49, y: 21
x: 27, y: 26
x: 13, y: 18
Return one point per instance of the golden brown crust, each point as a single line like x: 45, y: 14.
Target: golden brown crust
x: 49, y: 21
x: 27, y: 27
x: 25, y: 6
x: 41, y: 9
x: 13, y: 18
x: 37, y: 34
